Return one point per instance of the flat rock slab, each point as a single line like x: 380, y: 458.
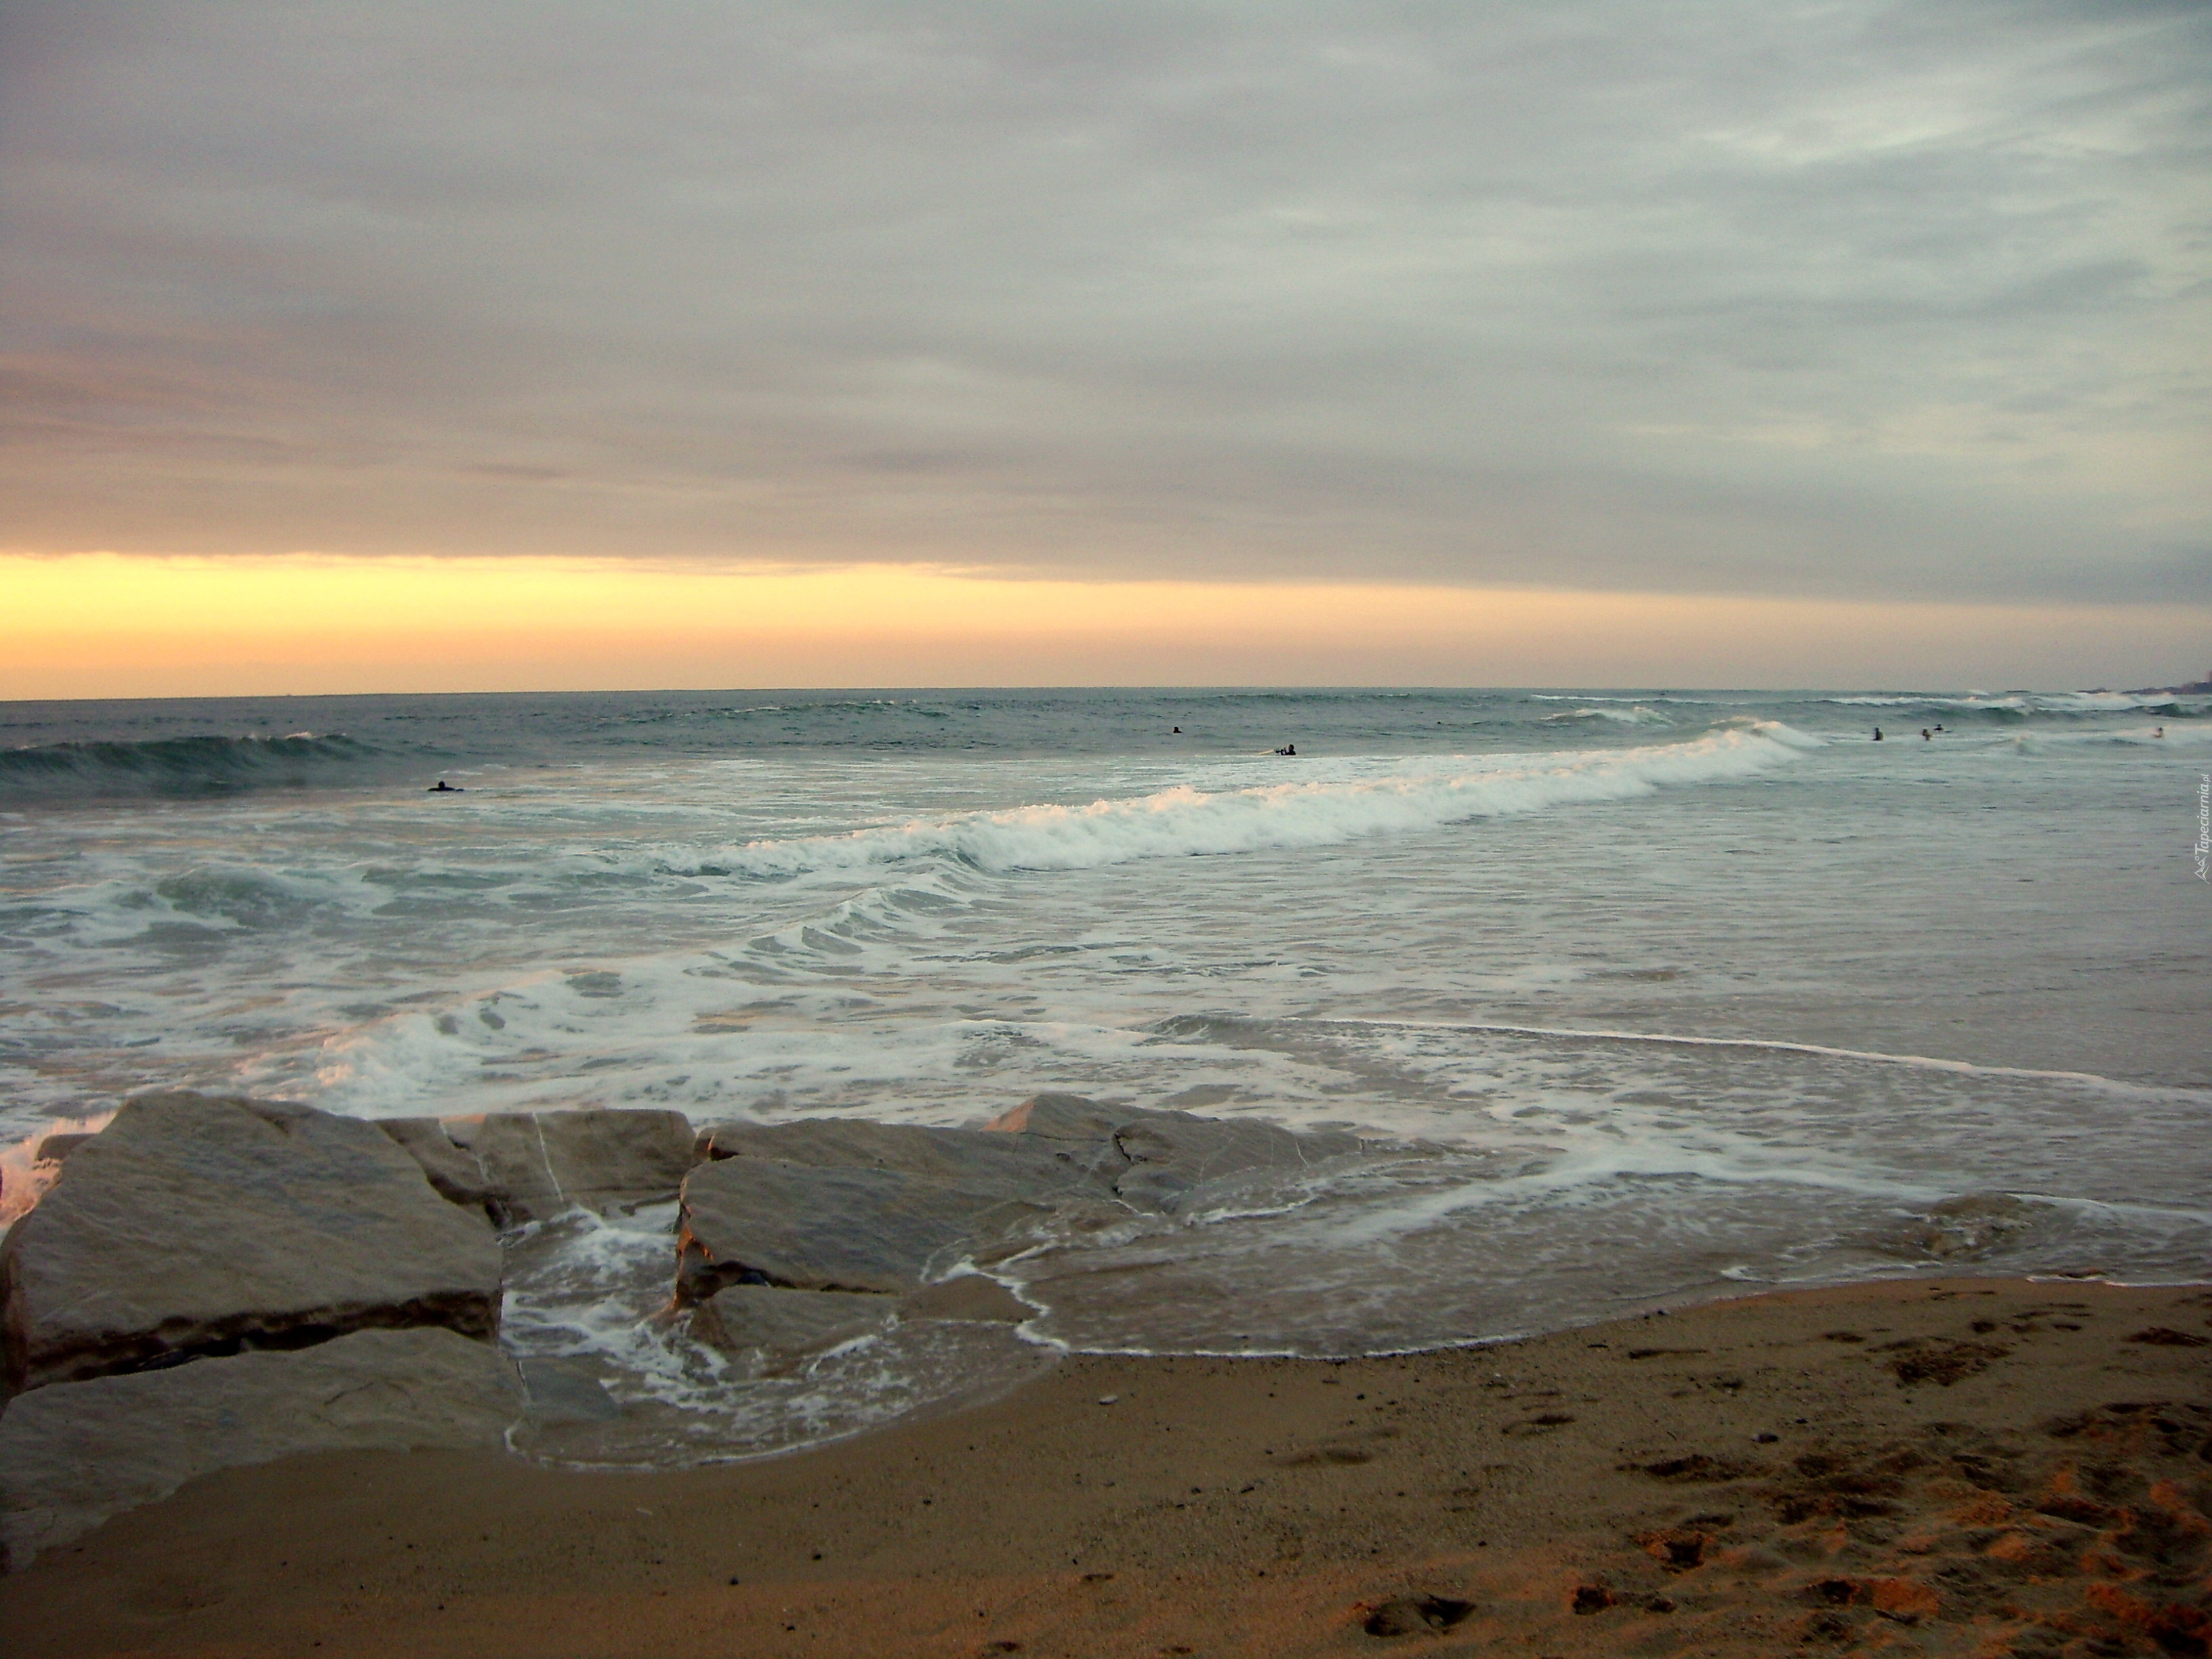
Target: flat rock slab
x: 1175, y: 1159
x: 1013, y: 1166
x: 198, y: 1225
x: 969, y: 1297
x: 561, y: 1391
x: 1162, y: 1160
x: 755, y: 1220
x: 540, y: 1163
x: 74, y: 1454
x: 787, y: 1325
x: 1064, y: 1118
x: 842, y: 1203
x: 451, y: 1170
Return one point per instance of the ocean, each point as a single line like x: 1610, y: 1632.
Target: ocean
x: 1645, y: 998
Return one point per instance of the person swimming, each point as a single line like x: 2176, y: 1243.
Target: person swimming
x: 1288, y: 749
x: 442, y: 787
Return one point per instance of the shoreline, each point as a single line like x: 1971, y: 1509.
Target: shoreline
x: 1961, y: 1466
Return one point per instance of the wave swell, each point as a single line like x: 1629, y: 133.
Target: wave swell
x: 174, y: 766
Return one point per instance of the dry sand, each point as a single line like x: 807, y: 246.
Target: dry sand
x: 1968, y: 1468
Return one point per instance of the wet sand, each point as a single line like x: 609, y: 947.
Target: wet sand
x: 1965, y: 1468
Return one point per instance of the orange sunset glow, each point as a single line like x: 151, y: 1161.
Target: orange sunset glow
x: 105, y: 624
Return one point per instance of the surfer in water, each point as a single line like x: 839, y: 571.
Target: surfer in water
x: 1288, y: 749
x: 442, y: 787
x: 1877, y: 734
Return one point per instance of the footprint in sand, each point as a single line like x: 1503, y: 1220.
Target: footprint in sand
x: 1544, y: 1423
x: 1413, y: 1615
x: 1330, y: 1455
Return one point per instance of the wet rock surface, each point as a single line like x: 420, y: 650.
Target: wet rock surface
x: 194, y: 1224
x: 847, y: 1205
x: 776, y: 1327
x: 1069, y: 1120
x: 773, y: 1329
x: 754, y: 1220
x: 970, y: 1298
x: 1159, y: 1160
x: 75, y: 1453
x: 973, y: 1158
x: 538, y: 1164
x: 195, y: 1233
x: 562, y: 1391
x: 450, y: 1170
x: 1175, y: 1159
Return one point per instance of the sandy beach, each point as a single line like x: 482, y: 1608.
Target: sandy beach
x: 1984, y: 1467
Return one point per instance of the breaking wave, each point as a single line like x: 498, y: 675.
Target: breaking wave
x: 2022, y: 705
x: 1636, y: 715
x: 25, y: 1176
x: 1187, y: 822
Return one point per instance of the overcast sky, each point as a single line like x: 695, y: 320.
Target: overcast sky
x: 1851, y: 299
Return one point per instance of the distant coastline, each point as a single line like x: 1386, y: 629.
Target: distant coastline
x: 2195, y: 689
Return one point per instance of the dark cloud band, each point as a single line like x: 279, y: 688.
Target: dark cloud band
x: 1845, y: 299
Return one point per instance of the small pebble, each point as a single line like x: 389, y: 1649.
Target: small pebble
x: 1108, y: 1399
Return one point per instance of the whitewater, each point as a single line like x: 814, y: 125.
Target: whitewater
x: 1639, y: 997
x: 1186, y: 820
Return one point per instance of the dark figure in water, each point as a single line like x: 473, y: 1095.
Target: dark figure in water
x: 1877, y: 734
x: 442, y: 787
x: 1288, y: 749
x: 1939, y: 726
x: 1177, y: 731
x: 1926, y: 736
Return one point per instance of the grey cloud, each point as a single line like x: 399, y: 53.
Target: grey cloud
x: 1839, y: 298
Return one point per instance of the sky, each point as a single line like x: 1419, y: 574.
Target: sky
x: 384, y: 345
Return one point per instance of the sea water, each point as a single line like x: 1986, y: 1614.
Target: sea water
x: 1643, y: 998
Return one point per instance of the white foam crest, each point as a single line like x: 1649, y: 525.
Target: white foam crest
x: 1915, y: 699
x: 1636, y: 715
x: 1184, y: 821
x: 2106, y: 702
x: 1600, y: 697
x: 1922, y: 1062
x: 2018, y: 703
x: 2028, y: 743
x: 24, y: 1177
